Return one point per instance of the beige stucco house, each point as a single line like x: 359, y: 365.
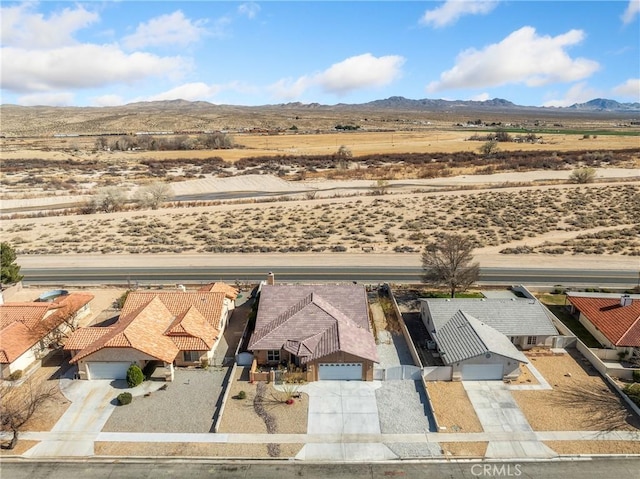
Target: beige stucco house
x: 322, y: 329
x: 178, y: 328
x: 30, y: 330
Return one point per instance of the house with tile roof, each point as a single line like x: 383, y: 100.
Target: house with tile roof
x: 168, y: 328
x: 612, y: 319
x: 483, y: 339
x: 30, y: 330
x: 323, y: 329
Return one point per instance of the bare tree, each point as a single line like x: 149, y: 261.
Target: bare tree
x: 153, y: 194
x: 19, y: 404
x: 489, y: 148
x: 448, y: 262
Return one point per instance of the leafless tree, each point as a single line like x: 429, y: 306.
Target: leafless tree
x: 153, y: 194
x: 110, y: 198
x: 448, y: 262
x: 19, y: 404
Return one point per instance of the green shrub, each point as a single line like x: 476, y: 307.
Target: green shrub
x: 204, y: 363
x: 14, y: 376
x: 242, y: 395
x: 124, y: 398
x: 636, y: 376
x: 134, y: 376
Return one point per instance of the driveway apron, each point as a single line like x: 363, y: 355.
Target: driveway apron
x: 344, y: 408
x: 499, y: 412
x: 92, y: 402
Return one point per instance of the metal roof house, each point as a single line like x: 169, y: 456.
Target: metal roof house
x: 483, y: 339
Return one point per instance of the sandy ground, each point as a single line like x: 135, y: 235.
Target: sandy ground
x: 452, y: 407
x: 172, y: 449
x: 240, y: 417
x: 580, y: 400
x: 594, y: 447
x: 22, y: 447
x: 465, y: 449
x: 525, y: 377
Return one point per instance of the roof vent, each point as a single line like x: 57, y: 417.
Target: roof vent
x: 625, y: 300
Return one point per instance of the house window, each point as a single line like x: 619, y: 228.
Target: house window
x: 532, y: 340
x: 191, y: 356
x: 273, y: 355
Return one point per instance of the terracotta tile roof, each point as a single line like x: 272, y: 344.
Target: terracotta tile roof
x: 229, y: 291
x: 189, y: 343
x: 83, y: 337
x: 159, y: 324
x: 24, y: 324
x: 619, y: 324
x: 313, y: 321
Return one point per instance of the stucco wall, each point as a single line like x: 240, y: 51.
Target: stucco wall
x: 595, y: 332
x: 113, y: 354
x: 22, y: 362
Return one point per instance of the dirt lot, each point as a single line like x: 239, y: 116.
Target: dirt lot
x: 580, y: 399
x: 595, y: 447
x: 240, y: 417
x: 173, y: 449
x: 466, y: 449
x: 452, y: 407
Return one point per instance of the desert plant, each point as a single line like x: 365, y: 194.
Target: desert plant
x: 204, y: 363
x: 583, y: 175
x: 124, y: 398
x: 16, y: 375
x: 636, y: 376
x: 242, y: 395
x: 134, y: 376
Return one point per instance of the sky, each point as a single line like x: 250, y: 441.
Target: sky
x: 105, y: 53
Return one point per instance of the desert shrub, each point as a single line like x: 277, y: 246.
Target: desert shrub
x: 583, y: 175
x: 134, y: 376
x: 242, y: 395
x: 636, y: 376
x: 14, y: 376
x: 204, y: 363
x: 124, y: 398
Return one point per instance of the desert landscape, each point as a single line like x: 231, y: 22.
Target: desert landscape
x: 386, y: 185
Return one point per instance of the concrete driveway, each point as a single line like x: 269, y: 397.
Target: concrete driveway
x: 92, y: 403
x: 499, y: 412
x: 345, y: 409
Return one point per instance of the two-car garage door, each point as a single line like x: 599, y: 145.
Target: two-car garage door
x: 340, y: 371
x: 108, y: 369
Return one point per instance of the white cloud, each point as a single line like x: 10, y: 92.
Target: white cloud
x: 578, y: 93
x: 170, y: 29
x: 250, y: 10
x: 481, y: 97
x: 49, y: 99
x: 632, y: 11
x: 188, y: 91
x: 20, y: 26
x: 354, y: 73
x: 452, y: 10
x: 107, y: 100
x: 81, y: 66
x: 630, y: 89
x: 522, y: 57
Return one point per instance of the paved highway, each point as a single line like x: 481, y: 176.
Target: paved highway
x: 197, y: 468
x: 363, y: 274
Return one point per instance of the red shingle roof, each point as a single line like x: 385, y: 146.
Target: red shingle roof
x: 158, y: 324
x: 619, y: 324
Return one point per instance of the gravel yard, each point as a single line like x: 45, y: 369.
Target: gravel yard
x: 580, y: 399
x: 240, y: 417
x: 187, y: 405
x: 408, y: 450
x: 452, y: 407
x: 402, y: 408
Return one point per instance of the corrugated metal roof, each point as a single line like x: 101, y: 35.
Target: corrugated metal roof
x: 465, y: 337
x: 511, y: 317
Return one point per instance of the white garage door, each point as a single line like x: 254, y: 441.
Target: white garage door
x: 340, y: 371
x: 481, y: 372
x: 108, y: 370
